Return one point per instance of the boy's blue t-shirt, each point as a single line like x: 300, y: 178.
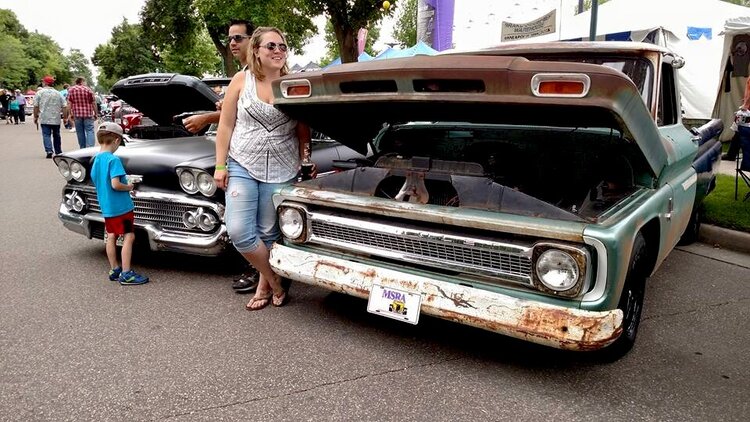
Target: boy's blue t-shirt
x: 112, y: 202
x: 13, y: 106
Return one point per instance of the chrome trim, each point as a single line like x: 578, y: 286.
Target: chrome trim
x: 584, y: 279
x: 150, y: 210
x: 511, y: 262
x: 159, y: 240
x: 285, y: 85
x: 600, y: 283
x: 537, y: 79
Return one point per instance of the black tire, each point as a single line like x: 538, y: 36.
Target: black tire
x: 631, y: 302
x: 693, y: 228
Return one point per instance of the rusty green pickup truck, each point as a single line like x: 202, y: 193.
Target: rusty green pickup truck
x: 529, y: 190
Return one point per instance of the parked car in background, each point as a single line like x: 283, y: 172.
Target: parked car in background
x: 177, y: 205
x: 29, y: 107
x: 528, y: 190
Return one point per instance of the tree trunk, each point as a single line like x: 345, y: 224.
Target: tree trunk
x: 226, y: 54
x: 347, y: 40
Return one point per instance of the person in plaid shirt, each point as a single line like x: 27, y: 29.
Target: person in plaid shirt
x: 82, y: 106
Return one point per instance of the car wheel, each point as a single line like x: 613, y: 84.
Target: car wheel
x: 693, y: 228
x: 631, y: 302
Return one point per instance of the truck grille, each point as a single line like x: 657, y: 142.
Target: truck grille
x: 452, y: 253
x: 166, y: 214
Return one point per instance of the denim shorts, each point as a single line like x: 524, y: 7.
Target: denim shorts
x: 250, y: 215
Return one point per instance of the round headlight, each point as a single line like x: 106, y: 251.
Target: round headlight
x: 190, y: 219
x: 557, y: 270
x: 291, y: 223
x: 77, y: 172
x: 206, y: 183
x: 64, y: 168
x: 187, y: 182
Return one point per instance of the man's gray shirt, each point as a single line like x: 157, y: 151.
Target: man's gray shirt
x: 51, y: 104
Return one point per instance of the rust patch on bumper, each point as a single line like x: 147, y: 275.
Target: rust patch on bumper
x: 535, y: 321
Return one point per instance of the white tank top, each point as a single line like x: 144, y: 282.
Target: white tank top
x: 264, y: 140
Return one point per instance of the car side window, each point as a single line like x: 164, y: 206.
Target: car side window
x: 666, y: 112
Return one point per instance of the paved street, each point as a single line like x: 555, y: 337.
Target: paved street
x: 75, y: 346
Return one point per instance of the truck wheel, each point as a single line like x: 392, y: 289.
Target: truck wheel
x: 693, y: 228
x: 631, y: 302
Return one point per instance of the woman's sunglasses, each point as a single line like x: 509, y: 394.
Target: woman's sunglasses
x: 273, y: 46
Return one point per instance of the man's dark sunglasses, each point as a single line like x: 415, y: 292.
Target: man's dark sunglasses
x: 273, y: 46
x: 236, y: 38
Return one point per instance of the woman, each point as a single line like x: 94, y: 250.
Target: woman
x: 258, y: 150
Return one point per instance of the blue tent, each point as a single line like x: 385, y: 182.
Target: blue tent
x: 388, y: 53
x: 417, y: 49
x: 362, y: 58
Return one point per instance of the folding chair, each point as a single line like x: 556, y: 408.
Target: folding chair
x: 742, y: 169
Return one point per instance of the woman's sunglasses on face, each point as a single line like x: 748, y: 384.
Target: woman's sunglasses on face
x: 273, y: 46
x: 236, y: 38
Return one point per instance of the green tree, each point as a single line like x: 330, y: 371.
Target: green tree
x: 405, y: 30
x: 78, y: 65
x: 174, y: 24
x: 13, y: 70
x: 739, y: 2
x: 347, y: 17
x: 44, y: 57
x: 125, y: 54
x: 332, y: 47
x: 198, y: 60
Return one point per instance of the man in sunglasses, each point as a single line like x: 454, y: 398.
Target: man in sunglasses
x: 237, y: 40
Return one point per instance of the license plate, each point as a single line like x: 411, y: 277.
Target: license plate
x: 118, y: 242
x: 394, y: 303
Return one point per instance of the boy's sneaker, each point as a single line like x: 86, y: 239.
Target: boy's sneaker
x: 131, y: 278
x: 114, y: 273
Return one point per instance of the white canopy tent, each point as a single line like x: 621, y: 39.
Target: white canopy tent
x: 731, y: 88
x: 691, y: 29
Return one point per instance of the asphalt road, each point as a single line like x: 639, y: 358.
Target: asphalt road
x: 75, y: 346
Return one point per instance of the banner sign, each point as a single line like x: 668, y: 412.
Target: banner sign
x: 541, y: 26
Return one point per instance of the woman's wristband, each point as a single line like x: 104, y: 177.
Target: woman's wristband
x: 220, y: 167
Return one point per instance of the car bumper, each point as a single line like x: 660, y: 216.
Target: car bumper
x: 212, y: 244
x: 556, y: 326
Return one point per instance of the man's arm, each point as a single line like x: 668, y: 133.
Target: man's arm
x: 194, y: 124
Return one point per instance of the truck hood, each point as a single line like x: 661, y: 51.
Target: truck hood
x: 353, y: 102
x: 161, y: 96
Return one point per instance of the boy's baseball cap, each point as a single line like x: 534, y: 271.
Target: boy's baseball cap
x: 49, y: 80
x: 111, y: 128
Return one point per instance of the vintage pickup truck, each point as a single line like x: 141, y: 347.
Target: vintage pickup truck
x: 528, y: 190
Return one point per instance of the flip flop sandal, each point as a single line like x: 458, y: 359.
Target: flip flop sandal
x: 256, y: 299
x: 279, y: 301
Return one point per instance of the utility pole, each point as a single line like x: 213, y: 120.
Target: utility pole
x: 594, y: 10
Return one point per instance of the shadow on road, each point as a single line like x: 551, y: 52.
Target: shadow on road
x: 447, y: 335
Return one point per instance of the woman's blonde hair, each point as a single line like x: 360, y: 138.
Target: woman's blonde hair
x: 254, y: 63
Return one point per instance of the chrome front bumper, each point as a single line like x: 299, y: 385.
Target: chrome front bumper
x: 212, y: 244
x: 556, y: 326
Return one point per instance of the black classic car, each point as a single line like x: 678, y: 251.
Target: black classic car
x: 177, y: 205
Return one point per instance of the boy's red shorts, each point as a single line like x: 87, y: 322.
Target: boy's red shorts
x: 121, y: 224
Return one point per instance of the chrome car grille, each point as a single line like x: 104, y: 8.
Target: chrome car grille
x: 166, y: 214
x: 426, y: 248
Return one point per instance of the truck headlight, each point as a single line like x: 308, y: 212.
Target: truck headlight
x: 561, y: 269
x: 557, y: 270
x: 292, y: 223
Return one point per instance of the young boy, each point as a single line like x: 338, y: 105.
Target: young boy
x: 112, y: 191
